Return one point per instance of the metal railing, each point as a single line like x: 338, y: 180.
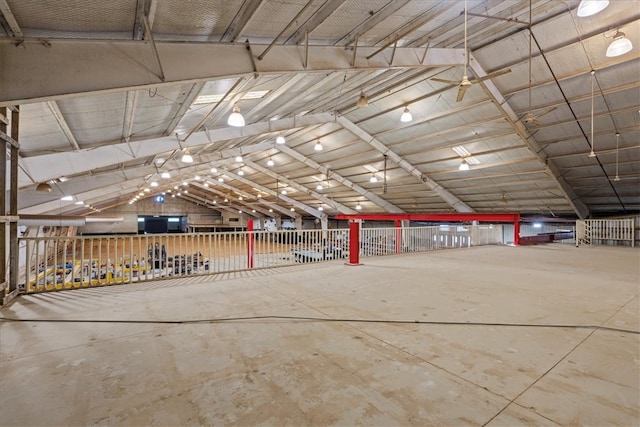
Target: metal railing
x: 387, y: 241
x: 605, y: 232
x: 63, y: 262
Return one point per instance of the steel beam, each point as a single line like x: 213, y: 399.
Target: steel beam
x: 323, y: 12
x: 446, y: 195
x: 387, y: 206
x: 308, y: 209
x: 242, y: 18
x: 11, y: 20
x: 62, y: 68
x: 548, y: 165
x: 57, y: 114
x: 462, y: 217
x: 50, y: 166
x: 382, y: 14
x: 335, y: 205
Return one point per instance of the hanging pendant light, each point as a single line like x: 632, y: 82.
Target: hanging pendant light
x: 165, y: 175
x: 236, y: 119
x: 591, y: 7
x: 373, y: 178
x: 464, y: 166
x: 318, y: 146
x: 280, y: 140
x: 186, y: 157
x: 270, y: 162
x: 619, y: 46
x: 44, y: 187
x: 406, y: 115
x: 363, y: 101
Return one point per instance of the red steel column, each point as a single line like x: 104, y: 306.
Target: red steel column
x: 354, y: 242
x: 516, y: 233
x: 398, y: 236
x: 250, y: 242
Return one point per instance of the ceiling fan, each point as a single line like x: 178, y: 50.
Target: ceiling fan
x: 465, y: 83
x: 530, y: 118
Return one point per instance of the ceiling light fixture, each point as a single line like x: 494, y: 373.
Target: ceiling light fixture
x: 186, y: 157
x: 165, y: 175
x: 373, y: 178
x: 464, y: 166
x: 238, y: 159
x: 221, y: 179
x: 241, y: 172
x: 358, y: 207
x: 67, y: 198
x: 593, y: 77
x: 154, y: 184
x: 280, y: 140
x: 292, y: 209
x: 214, y: 170
x: 406, y: 115
x: 619, y: 46
x: 319, y: 187
x: 591, y: 7
x: 318, y: 146
x: 363, y: 101
x: 270, y: 162
x: 504, y: 200
x: 44, y: 187
x: 236, y: 119
x: 320, y: 208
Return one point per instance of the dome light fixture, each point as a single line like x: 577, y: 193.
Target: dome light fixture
x: 319, y: 187
x: 464, y: 166
x: 619, y: 46
x: 591, y: 7
x: 236, y: 119
x: 406, y: 115
x: 238, y: 159
x: 165, y: 175
x: 363, y: 101
x: 373, y: 178
x: 186, y: 157
x: 214, y: 170
x: 318, y: 146
x: 44, y: 187
x: 270, y: 162
x: 280, y: 140
x: 358, y: 207
x: 154, y: 183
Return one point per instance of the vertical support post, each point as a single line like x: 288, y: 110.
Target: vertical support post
x: 398, y: 224
x: 516, y: 232
x: 13, y: 205
x: 354, y: 242
x: 250, y: 242
x: 3, y: 204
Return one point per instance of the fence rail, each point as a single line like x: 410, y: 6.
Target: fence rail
x: 63, y: 262
x: 605, y: 231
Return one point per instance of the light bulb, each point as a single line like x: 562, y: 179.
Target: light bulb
x: 236, y: 119
x: 591, y: 7
x: 406, y: 115
x: 620, y: 45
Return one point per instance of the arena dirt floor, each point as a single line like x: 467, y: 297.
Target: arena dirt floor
x: 495, y: 335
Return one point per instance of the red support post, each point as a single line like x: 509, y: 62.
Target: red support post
x: 250, y: 242
x: 398, y: 236
x: 354, y: 242
x: 516, y: 233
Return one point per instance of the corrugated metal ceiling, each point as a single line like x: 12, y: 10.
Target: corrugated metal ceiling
x: 538, y: 167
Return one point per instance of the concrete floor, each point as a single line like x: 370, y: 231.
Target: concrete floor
x: 283, y: 372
